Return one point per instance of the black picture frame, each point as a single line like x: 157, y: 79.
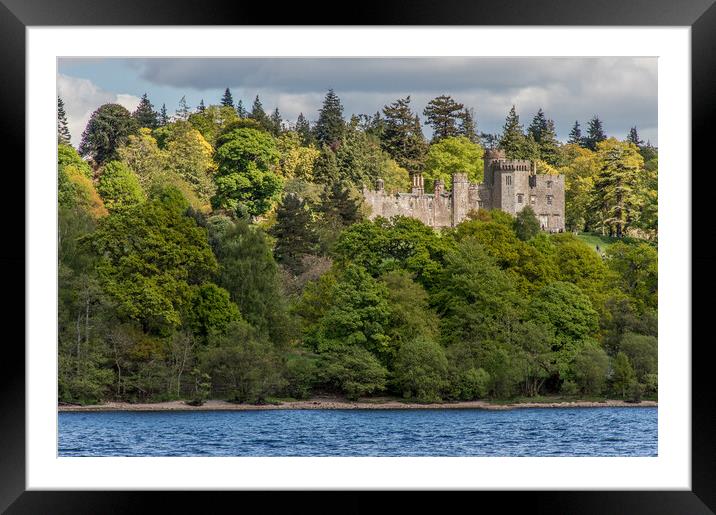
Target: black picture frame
x: 16, y: 15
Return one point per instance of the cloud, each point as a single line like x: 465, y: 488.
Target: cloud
x: 82, y: 97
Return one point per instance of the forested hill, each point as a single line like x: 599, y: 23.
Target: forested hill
x: 220, y: 253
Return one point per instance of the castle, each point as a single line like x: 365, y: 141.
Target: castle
x: 509, y: 185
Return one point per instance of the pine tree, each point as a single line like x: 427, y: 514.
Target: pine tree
x: 240, y: 109
x: 401, y: 135
x: 182, y: 113
x: 538, y: 126
x: 163, y: 116
x: 616, y: 194
x: 338, y: 204
x: 258, y: 114
x: 548, y: 144
x: 595, y: 133
x: 575, y: 135
x: 325, y: 168
x: 227, y: 100
x: 294, y: 233
x: 513, y: 140
x: 330, y: 126
x: 63, y: 131
x: 468, y: 126
x: 276, y: 122
x: 201, y: 107
x: 145, y: 114
x: 303, y: 128
x: 634, y: 137
x: 443, y: 114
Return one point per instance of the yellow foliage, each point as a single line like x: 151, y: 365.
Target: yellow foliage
x: 86, y: 196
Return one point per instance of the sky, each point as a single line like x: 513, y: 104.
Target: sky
x: 621, y: 91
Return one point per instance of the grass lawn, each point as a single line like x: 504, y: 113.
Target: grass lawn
x: 604, y: 242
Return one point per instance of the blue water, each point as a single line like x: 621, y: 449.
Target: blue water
x: 463, y: 432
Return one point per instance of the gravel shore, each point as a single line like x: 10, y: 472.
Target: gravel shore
x: 338, y: 403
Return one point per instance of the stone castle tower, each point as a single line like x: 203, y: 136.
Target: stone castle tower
x: 509, y: 185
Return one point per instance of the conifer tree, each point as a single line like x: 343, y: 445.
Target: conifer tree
x: 227, y: 100
x: 595, y: 133
x: 276, y: 122
x: 443, y: 114
x: 163, y: 116
x: 538, y: 126
x: 513, y: 140
x: 294, y: 233
x: 240, y: 109
x: 548, y: 144
x: 325, y: 168
x: 575, y: 135
x: 330, y: 126
x: 303, y: 128
x: 633, y: 137
x: 258, y: 114
x: 201, y: 107
x: 182, y: 113
x: 468, y: 126
x: 338, y: 204
x: 63, y: 132
x: 145, y: 114
x: 401, y: 135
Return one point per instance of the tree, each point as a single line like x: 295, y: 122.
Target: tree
x: 421, y: 370
x: 633, y: 137
x: 245, y: 179
x: 258, y: 114
x: 330, y: 126
x: 443, y: 114
x: 108, y: 128
x: 513, y: 140
x: 303, y: 128
x: 580, y: 173
x: 538, y: 126
x: 616, y: 195
x: 227, y: 100
x: 575, y: 135
x: 183, y: 112
x: 201, y: 107
x: 454, y: 155
x: 76, y: 191
x: 145, y: 114
x: 352, y: 370
x: 622, y: 375
x: 642, y: 351
x: 595, y: 133
x: 163, y: 116
x: 276, y: 122
x: 296, y: 161
x: 144, y: 157
x: 189, y: 156
x: 468, y: 126
x: 240, y: 109
x: 340, y: 204
x: 636, y: 267
x: 401, y: 135
x: 213, y: 121
x: 63, y: 132
x: 589, y: 370
x: 549, y: 145
x: 294, y: 233
x: 150, y: 256
x: 526, y: 224
x: 119, y: 187
x: 325, y: 167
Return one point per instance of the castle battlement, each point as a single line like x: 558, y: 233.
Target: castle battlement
x: 509, y: 185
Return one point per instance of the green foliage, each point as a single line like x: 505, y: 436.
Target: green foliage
x: 245, y: 180
x: 595, y: 133
x: 108, y: 129
x: 352, y: 370
x: 513, y: 140
x: 63, y: 131
x: 443, y: 114
x: 119, y: 187
x: 421, y: 370
x: 145, y: 114
x: 301, y: 375
x: 67, y: 155
x: 642, y: 351
x: 294, y: 232
x: 452, y: 155
x: 526, y: 224
x: 213, y: 121
x: 589, y: 370
x: 243, y: 366
x: 330, y: 126
x: 150, y: 255
x: 210, y: 310
x: 636, y: 266
x: 623, y: 375
x: 402, y: 137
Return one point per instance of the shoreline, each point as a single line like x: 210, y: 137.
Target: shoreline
x: 332, y: 403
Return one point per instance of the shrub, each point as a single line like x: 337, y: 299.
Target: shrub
x: 421, y: 370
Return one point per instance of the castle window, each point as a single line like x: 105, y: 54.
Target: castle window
x: 549, y: 200
x: 508, y: 180
x: 533, y: 199
x: 549, y: 184
x: 520, y: 198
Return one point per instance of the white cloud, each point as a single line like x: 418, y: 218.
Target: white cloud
x: 82, y: 97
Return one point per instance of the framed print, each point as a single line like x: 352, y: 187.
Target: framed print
x: 467, y: 259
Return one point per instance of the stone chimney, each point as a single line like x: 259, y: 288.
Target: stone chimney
x: 418, y: 187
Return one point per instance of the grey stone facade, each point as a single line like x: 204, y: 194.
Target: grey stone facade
x: 509, y: 185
